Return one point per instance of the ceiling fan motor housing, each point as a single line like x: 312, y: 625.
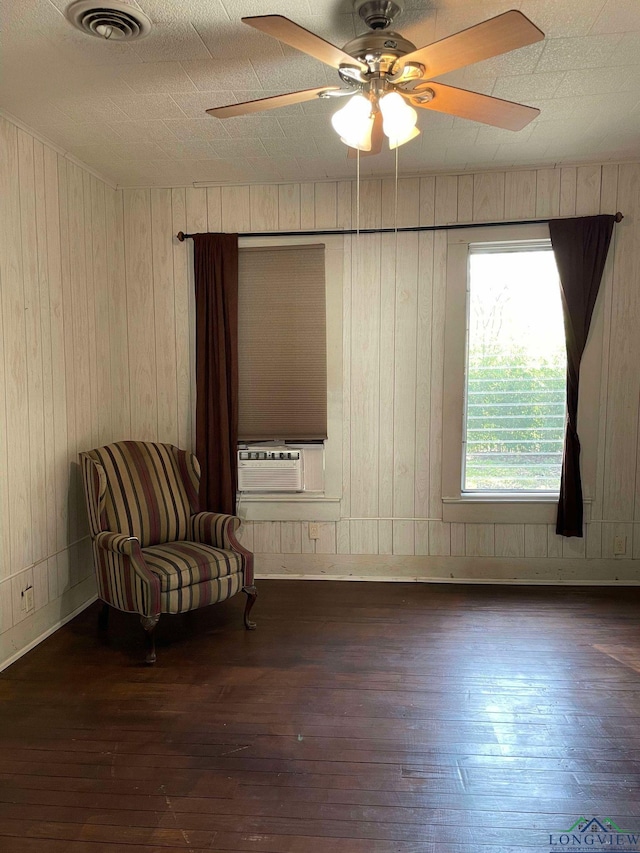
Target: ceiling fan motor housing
x: 379, y: 50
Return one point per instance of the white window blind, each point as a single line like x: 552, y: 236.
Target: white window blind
x: 516, y: 370
x: 282, y: 344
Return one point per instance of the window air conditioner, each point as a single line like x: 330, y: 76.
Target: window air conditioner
x: 278, y: 469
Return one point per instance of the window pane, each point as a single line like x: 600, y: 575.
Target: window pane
x: 516, y: 372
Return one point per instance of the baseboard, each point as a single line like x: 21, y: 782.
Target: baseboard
x: 12, y: 637
x: 479, y: 570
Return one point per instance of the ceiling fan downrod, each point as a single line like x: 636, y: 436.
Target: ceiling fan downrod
x: 378, y: 14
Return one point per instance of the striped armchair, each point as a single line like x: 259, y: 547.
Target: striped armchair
x: 154, y: 552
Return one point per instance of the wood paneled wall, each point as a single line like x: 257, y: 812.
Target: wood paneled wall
x: 394, y: 301
x: 97, y: 345
x: 64, y: 374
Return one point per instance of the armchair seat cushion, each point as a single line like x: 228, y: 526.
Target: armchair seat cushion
x: 181, y: 564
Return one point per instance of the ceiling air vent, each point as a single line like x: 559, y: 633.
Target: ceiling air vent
x: 113, y: 22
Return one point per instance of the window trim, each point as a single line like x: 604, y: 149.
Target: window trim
x: 508, y: 507
x: 312, y: 506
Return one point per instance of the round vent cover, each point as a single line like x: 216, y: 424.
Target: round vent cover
x: 114, y: 22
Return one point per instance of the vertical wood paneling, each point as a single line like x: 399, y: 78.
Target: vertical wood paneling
x: 326, y: 543
x: 568, y: 177
x: 101, y: 307
x: 404, y: 398
x: 440, y: 538
x: 363, y: 537
x: 181, y: 255
x: 140, y: 313
x: 388, y: 264
x: 15, y: 361
x: 289, y: 207
x: 479, y: 540
x: 263, y: 200
x: 424, y: 309
x: 291, y: 537
x: 404, y: 537
x: 520, y: 195
x: 307, y: 206
x: 624, y: 383
x: 344, y: 204
x: 326, y: 205
x: 236, y: 209
x: 488, y: 196
x: 49, y: 502
x: 164, y: 316
x: 81, y: 404
x: 33, y: 338
x: 56, y: 313
x: 92, y: 352
x: 509, y: 540
x: 214, y: 210
x: 55, y: 265
x: 547, y: 193
x: 365, y: 376
x: 535, y: 540
x: 196, y: 202
x: 347, y: 275
x: 588, y: 190
x: 465, y: 198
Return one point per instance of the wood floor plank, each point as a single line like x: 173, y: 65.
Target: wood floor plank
x: 358, y: 718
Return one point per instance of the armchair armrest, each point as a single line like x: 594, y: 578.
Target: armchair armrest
x: 118, y: 542
x: 124, y: 579
x: 218, y: 530
x: 215, y: 528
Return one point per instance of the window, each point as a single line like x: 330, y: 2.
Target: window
x: 282, y: 347
x: 470, y: 494
x: 299, y: 506
x: 515, y: 378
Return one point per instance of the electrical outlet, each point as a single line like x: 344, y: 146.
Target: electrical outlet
x: 27, y: 599
x: 314, y: 533
x: 619, y: 546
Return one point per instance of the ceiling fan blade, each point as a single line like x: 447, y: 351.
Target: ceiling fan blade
x: 471, y: 105
x: 491, y: 38
x: 296, y: 36
x: 248, y: 107
x: 377, y: 138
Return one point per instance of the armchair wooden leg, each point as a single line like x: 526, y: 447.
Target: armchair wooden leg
x: 252, y: 593
x: 149, y: 624
x: 103, y: 618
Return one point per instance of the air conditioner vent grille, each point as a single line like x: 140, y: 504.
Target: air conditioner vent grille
x: 114, y: 22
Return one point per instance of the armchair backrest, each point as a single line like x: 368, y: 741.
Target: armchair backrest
x: 142, y: 489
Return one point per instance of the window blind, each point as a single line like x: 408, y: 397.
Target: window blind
x: 282, y: 358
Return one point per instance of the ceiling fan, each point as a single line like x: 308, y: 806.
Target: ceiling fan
x: 386, y: 75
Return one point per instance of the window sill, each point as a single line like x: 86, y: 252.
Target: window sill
x: 290, y: 507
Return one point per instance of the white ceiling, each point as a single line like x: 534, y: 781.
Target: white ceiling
x: 135, y: 112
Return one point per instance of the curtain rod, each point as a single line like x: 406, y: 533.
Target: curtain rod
x: 347, y: 231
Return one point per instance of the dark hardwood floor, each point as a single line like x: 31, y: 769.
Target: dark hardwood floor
x: 358, y: 718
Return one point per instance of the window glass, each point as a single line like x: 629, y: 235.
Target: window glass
x: 515, y: 396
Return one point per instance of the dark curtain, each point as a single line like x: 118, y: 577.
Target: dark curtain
x: 216, y: 279
x: 580, y: 247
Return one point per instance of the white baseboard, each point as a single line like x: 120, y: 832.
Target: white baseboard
x: 478, y: 570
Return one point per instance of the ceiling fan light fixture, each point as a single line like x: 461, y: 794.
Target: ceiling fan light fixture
x: 399, y: 119
x: 354, y: 123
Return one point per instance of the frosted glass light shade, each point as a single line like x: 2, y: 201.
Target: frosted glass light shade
x: 398, y: 119
x: 354, y: 123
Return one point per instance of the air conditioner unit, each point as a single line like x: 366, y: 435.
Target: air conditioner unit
x: 278, y: 469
